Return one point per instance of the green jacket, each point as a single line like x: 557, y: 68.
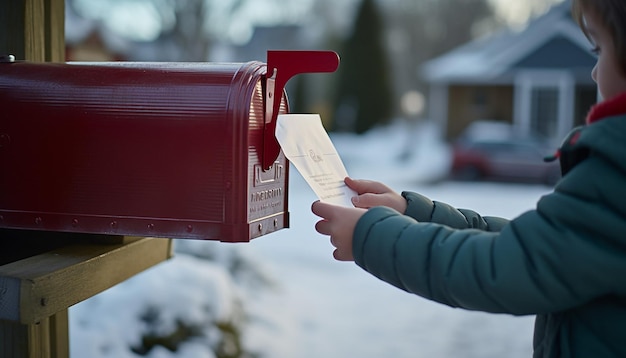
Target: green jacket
x: 564, y: 261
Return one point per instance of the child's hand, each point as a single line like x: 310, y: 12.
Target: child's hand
x: 338, y: 222
x: 373, y: 193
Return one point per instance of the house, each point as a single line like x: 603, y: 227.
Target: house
x: 538, y: 79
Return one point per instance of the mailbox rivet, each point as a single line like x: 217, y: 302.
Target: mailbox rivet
x: 1, y: 218
x: 260, y: 227
x: 38, y: 220
x: 150, y: 226
x: 189, y: 228
x: 113, y: 224
x: 75, y: 222
x: 7, y: 59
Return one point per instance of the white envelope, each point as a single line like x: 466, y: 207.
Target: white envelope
x: 306, y: 144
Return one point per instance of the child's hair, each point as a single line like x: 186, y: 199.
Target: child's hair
x: 612, y: 13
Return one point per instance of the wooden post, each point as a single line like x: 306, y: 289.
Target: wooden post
x: 47, y: 338
x: 43, y: 274
x: 54, y: 32
x: 33, y: 30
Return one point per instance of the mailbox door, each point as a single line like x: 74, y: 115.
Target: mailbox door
x: 267, y: 190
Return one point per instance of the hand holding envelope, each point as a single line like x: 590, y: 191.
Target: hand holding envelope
x: 306, y: 144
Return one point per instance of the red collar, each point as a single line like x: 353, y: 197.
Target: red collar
x: 610, y: 107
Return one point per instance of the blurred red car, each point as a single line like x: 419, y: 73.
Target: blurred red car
x: 503, y: 157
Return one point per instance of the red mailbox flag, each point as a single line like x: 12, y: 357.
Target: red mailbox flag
x: 281, y: 66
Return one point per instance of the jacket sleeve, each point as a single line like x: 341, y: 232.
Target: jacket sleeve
x: 568, y: 251
x: 423, y: 209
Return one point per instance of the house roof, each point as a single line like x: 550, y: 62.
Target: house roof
x: 550, y: 41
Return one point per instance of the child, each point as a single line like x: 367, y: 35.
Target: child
x: 564, y: 261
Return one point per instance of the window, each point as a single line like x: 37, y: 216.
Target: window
x: 544, y: 111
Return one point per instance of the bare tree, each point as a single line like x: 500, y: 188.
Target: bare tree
x: 189, y: 28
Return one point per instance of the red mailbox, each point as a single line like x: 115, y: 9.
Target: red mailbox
x: 179, y: 150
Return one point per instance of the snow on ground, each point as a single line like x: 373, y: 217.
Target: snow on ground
x: 296, y: 300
